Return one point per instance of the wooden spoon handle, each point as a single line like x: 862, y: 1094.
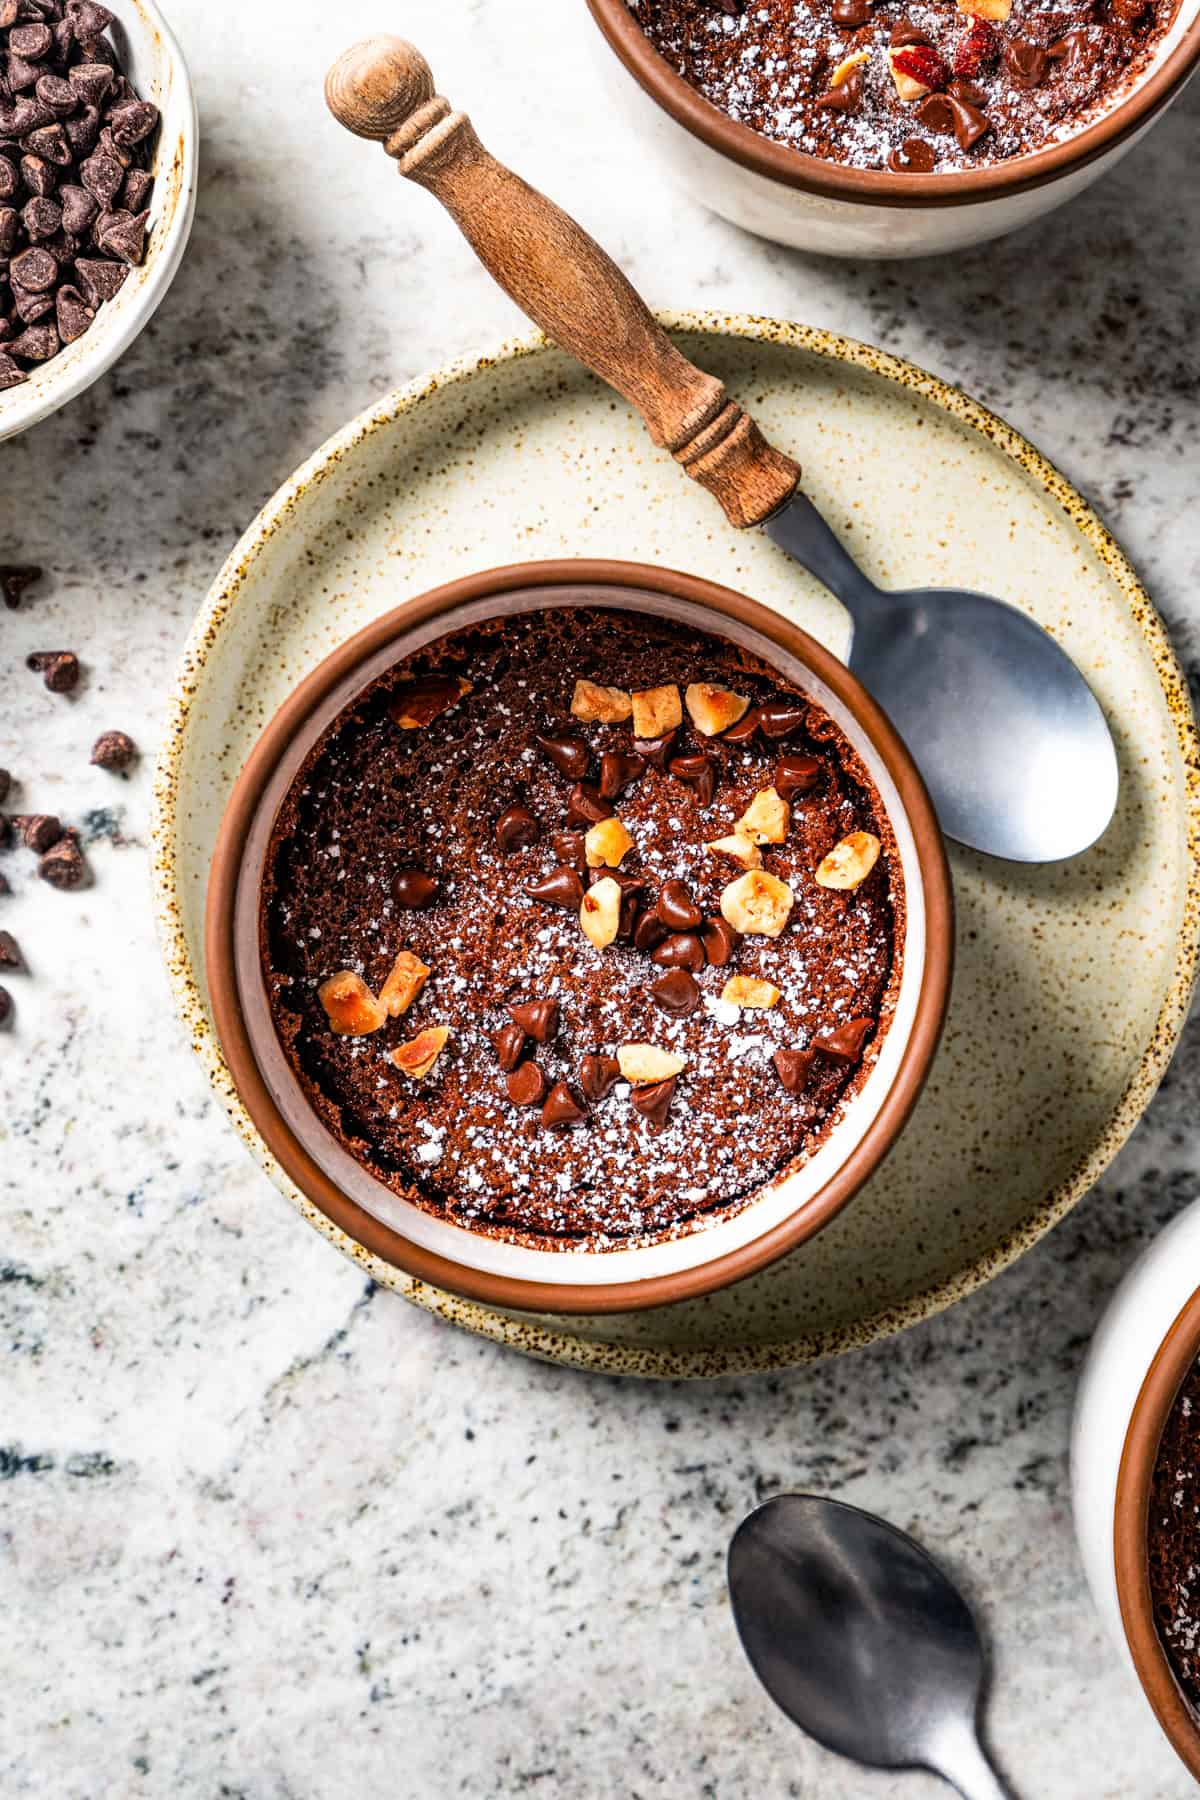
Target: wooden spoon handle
x: 383, y: 89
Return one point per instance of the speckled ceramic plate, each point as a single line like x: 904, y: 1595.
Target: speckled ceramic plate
x: 1072, y: 981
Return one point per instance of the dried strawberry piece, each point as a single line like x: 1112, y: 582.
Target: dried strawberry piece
x: 921, y: 63
x: 978, y: 46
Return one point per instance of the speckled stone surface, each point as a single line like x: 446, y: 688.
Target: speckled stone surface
x: 283, y: 1536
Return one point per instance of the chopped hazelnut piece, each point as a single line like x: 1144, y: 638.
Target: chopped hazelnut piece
x: 350, y: 1006
x: 749, y: 992
x: 641, y: 1063
x: 419, y: 702
x: 418, y: 1056
x: 757, y: 904
x: 850, y: 862
x: 739, y: 849
x: 606, y: 843
x: 766, y: 819
x: 409, y: 975
x: 600, y: 705
x: 714, y: 709
x: 600, y: 914
x: 996, y: 10
x: 656, y: 711
x: 847, y: 66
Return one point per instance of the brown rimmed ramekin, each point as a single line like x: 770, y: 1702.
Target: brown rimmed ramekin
x: 451, y: 1256
x: 814, y: 204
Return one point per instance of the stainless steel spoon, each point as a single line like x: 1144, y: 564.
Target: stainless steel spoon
x: 861, y: 1639
x: 1010, y: 739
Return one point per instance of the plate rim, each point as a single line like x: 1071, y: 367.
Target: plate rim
x: 529, y: 1333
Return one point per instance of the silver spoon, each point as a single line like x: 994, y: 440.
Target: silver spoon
x: 861, y: 1639
x: 1009, y: 737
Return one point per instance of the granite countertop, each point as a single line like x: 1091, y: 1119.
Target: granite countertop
x: 268, y: 1535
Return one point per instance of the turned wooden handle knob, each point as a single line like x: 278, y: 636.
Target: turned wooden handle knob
x: 383, y: 89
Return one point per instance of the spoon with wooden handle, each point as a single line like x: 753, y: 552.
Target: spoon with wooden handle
x: 1008, y: 735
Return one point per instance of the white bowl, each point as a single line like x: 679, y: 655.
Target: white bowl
x: 1146, y: 1343
x: 154, y: 63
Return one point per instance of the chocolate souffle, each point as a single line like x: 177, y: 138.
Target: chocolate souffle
x: 580, y: 926
x: 917, y: 89
x: 1174, y: 1539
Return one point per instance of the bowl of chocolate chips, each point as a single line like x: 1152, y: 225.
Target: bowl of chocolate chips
x: 579, y: 937
x: 98, y: 139
x: 892, y: 127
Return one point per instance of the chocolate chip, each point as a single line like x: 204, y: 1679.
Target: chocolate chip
x: 793, y: 1068
x: 570, y: 755
x: 617, y: 770
x: 526, y: 1085
x: 537, y: 1017
x: 30, y: 306
x: 516, y: 829
x: 39, y: 831
x: 780, y: 718
x: 655, y: 751
x: 719, y: 940
x: 676, y: 908
x: 10, y: 955
x: 9, y: 179
x: 79, y: 209
x: 415, y: 890
x: 676, y: 993
x: 845, y: 1044
x: 14, y: 579
x: 35, y: 269
x: 913, y: 157
x: 744, y: 730
x: 91, y: 81
x: 562, y: 1108
x: 5, y: 785
x: 509, y: 1045
x: 905, y: 32
x: 9, y: 220
x: 88, y: 19
x: 570, y: 847
x: 41, y: 218
x: 850, y: 14
x: 113, y: 750
x: 10, y: 374
x: 99, y: 280
x: 31, y: 42
x: 586, y: 806
x: 122, y: 234
x: 682, y: 951
x: 969, y: 123
x: 56, y: 92
x: 72, y: 314
x: 968, y: 91
x: 59, y: 669
x: 843, y: 98
x: 133, y: 122
x: 698, y: 772
x: 38, y: 343
x: 102, y: 176
x: 63, y: 865
x: 654, y: 1102
x: 649, y: 932
x: 795, y: 774
x: 136, y: 192
x: 6, y: 1006
x: 1026, y: 64
x: 561, y: 887
x: 936, y: 113
x: 598, y: 1075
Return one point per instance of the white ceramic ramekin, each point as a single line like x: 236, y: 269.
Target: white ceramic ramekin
x: 154, y: 64
x: 815, y: 205
x: 1146, y: 1343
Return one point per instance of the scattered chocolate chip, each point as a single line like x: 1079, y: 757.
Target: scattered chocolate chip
x: 913, y: 157
x: 561, y: 1107
x: 1026, y: 64
x: 617, y: 770
x: 745, y: 729
x: 415, y: 890
x: 561, y: 887
x: 516, y: 829
x: 113, y: 750
x: 598, y: 1075
x: 38, y: 830
x: 676, y: 992
x: 681, y: 951
x: 654, y: 1102
x: 793, y: 1068
x: 570, y: 755
x: 698, y: 772
x: 586, y: 806
x: 968, y: 91
x: 509, y: 1045
x: 526, y: 1085
x: 539, y: 1018
x: 649, y: 932
x: 655, y: 751
x: 570, y: 847
x: 719, y: 941
x: 936, y: 114
x: 10, y: 955
x: 6, y: 1006
x: 850, y: 14
x: 63, y: 865
x: 845, y: 1044
x: 969, y: 123
x: 796, y: 774
x: 14, y: 579
x: 905, y: 32
x: 844, y: 98
x: 676, y: 908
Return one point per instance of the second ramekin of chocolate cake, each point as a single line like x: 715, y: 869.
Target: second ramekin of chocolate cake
x: 579, y: 936
x: 891, y: 127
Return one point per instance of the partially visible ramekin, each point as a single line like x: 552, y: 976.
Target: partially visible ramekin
x: 154, y: 63
x: 788, y: 1209
x: 813, y: 204
x: 1146, y: 1344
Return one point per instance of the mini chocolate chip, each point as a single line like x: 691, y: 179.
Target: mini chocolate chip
x: 88, y: 19
x: 537, y: 1017
x: 561, y: 887
x: 796, y: 775
x: 50, y: 142
x: 570, y: 847
x: 35, y: 269
x: 63, y: 865
x: 6, y: 1006
x: 102, y: 176
x: 30, y: 307
x: 91, y: 81
x: 415, y: 890
x: 617, y: 770
x: 133, y: 122
x: 72, y: 314
x: 56, y: 92
x: 99, y: 280
x: 562, y: 1108
x: 39, y: 831
x: 793, y: 1068
x: 37, y: 343
x: 655, y: 751
x: 654, y: 1102
x: 122, y: 234
x: 676, y: 992
x: 649, y: 932
x: 59, y: 669
x: 15, y: 578
x: 913, y: 157
x: 516, y: 829
x: 509, y: 1045
x: 698, y: 772
x: 682, y: 951
x: 598, y: 1075
x: 845, y: 1044
x: 10, y: 955
x: 744, y: 730
x: 719, y: 940
x: 113, y: 750
x: 136, y: 192
x: 526, y: 1085
x: 676, y: 908
x: 570, y: 755
x: 586, y: 806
